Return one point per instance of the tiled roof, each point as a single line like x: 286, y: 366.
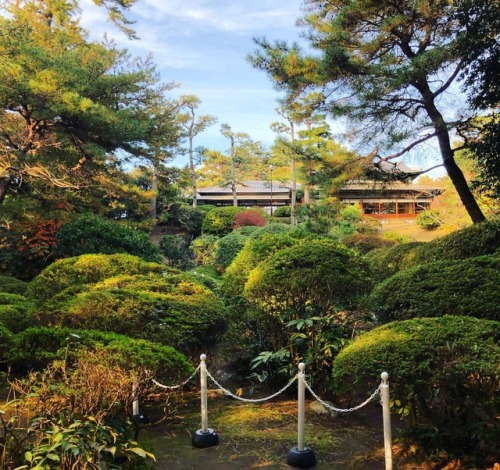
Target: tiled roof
x: 247, y: 187
x: 395, y: 185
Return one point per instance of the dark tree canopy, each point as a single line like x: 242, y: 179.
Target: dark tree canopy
x: 387, y: 65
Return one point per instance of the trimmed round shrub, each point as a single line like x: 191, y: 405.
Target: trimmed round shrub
x: 12, y: 285
x: 227, y: 248
x: 282, y: 211
x: 6, y: 339
x: 250, y: 217
x: 444, y: 378
x: 93, y: 234
x: 464, y: 287
x: 15, y: 311
x: 204, y: 248
x: 219, y: 221
x: 247, y: 231
x: 36, y: 348
x: 312, y: 278
x: 170, y: 310
x: 272, y: 229
x: 206, y: 275
x: 385, y: 262
x: 428, y: 220
x: 363, y: 243
x: 476, y: 240
x: 173, y: 247
x: 86, y: 269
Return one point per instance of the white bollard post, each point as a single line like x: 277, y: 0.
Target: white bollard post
x: 203, y: 386
x: 301, y: 456
x: 135, y: 403
x: 386, y: 413
x: 204, y: 437
x: 301, y: 407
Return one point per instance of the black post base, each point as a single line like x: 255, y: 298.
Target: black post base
x: 301, y: 458
x: 201, y: 439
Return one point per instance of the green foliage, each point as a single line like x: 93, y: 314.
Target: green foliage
x: 444, y: 375
x: 186, y: 216
x: 227, y: 248
x: 172, y: 310
x: 219, y: 221
x: 463, y: 287
x: 250, y: 217
x: 246, y: 230
x: 307, y: 295
x: 12, y: 285
x: 173, y: 247
x: 272, y: 228
x: 363, y: 243
x: 282, y: 211
x: 385, y: 262
x: 86, y: 269
x: 35, y: 348
x: 6, y: 339
x: 204, y: 249
x: 206, y: 275
x: 428, y: 220
x: 15, y: 311
x: 475, y: 240
x: 93, y: 234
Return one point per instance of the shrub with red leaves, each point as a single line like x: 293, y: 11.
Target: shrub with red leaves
x: 250, y: 217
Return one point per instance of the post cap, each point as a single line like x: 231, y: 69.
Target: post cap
x: 203, y: 357
x: 384, y: 376
x: 302, y: 366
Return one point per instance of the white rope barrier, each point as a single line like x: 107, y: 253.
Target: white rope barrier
x: 174, y: 387
x: 250, y: 400
x: 342, y: 410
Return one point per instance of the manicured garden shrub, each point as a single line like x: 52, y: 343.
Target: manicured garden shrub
x: 282, y: 211
x: 6, y: 338
x: 247, y: 230
x: 271, y: 228
x: 36, y: 348
x: 173, y: 248
x: 204, y: 248
x: 428, y: 220
x: 185, y: 216
x: 384, y: 262
x: 12, y: 285
x: 250, y: 217
x: 227, y: 248
x: 444, y: 377
x: 15, y: 311
x: 363, y: 243
x: 86, y: 269
x: 206, y: 275
x: 90, y: 233
x: 219, y: 221
x: 463, y: 287
x: 476, y: 240
x: 170, y: 310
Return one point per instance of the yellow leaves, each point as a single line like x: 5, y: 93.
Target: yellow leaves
x: 45, y: 82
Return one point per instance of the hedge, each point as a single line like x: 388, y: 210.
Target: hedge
x: 464, y: 287
x: 12, y: 285
x: 444, y: 378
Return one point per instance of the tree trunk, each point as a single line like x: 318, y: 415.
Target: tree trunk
x: 193, y: 173
x: 4, y: 186
x: 154, y: 188
x: 447, y: 154
x: 233, y: 175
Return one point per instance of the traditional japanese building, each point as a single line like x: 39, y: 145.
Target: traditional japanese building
x: 248, y: 193
x: 387, y: 190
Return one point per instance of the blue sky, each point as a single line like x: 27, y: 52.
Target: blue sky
x: 202, y: 45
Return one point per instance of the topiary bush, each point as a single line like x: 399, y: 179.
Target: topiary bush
x: 250, y: 217
x: 428, y: 220
x: 219, y: 221
x: 270, y: 229
x: 35, y: 348
x: 90, y: 233
x: 170, y: 310
x: 444, y: 378
x: 86, y: 269
x: 282, y: 211
x: 204, y: 249
x: 363, y: 243
x: 476, y: 240
x: 385, y: 262
x: 464, y: 287
x: 227, y: 248
x: 15, y: 311
x: 12, y: 285
x: 173, y: 248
